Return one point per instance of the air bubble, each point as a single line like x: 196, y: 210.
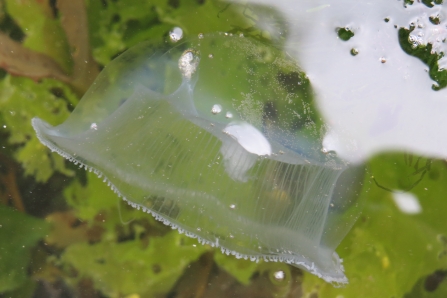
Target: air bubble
x: 176, y: 34
x: 200, y: 35
x: 210, y: 56
x: 228, y: 115
x: 232, y: 206
x: 216, y: 109
x: 94, y: 126
x: 279, y: 275
x: 416, y: 40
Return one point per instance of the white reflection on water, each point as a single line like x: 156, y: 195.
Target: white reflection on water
x: 370, y: 106
x: 407, y: 202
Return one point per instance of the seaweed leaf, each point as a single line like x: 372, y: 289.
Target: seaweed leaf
x: 74, y: 22
x: 43, y: 31
x: 21, y: 61
x: 240, y: 269
x: 21, y: 99
x: 127, y: 268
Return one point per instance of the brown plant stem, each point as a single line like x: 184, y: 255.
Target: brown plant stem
x: 8, y: 180
x: 74, y: 22
x: 20, y: 61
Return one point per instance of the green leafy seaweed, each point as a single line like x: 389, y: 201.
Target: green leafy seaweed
x: 22, y: 99
x: 127, y: 268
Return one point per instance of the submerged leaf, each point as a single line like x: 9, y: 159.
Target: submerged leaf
x: 242, y: 270
x: 74, y: 22
x: 126, y: 268
x: 21, y: 61
x: 20, y: 100
x: 43, y: 31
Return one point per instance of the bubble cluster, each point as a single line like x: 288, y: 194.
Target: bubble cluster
x: 188, y: 63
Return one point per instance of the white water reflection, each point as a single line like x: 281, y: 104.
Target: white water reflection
x: 370, y: 106
x: 407, y: 202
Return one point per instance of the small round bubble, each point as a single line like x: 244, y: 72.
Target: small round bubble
x: 216, y: 109
x: 176, y: 34
x: 94, y: 126
x: 228, y: 115
x: 200, y: 35
x: 279, y: 275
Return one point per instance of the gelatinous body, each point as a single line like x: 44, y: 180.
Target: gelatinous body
x: 226, y: 149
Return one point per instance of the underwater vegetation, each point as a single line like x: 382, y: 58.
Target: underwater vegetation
x: 287, y: 135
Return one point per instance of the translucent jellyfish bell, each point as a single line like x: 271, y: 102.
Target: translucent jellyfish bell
x: 227, y: 149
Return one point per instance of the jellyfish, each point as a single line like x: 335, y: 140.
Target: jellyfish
x: 217, y: 137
